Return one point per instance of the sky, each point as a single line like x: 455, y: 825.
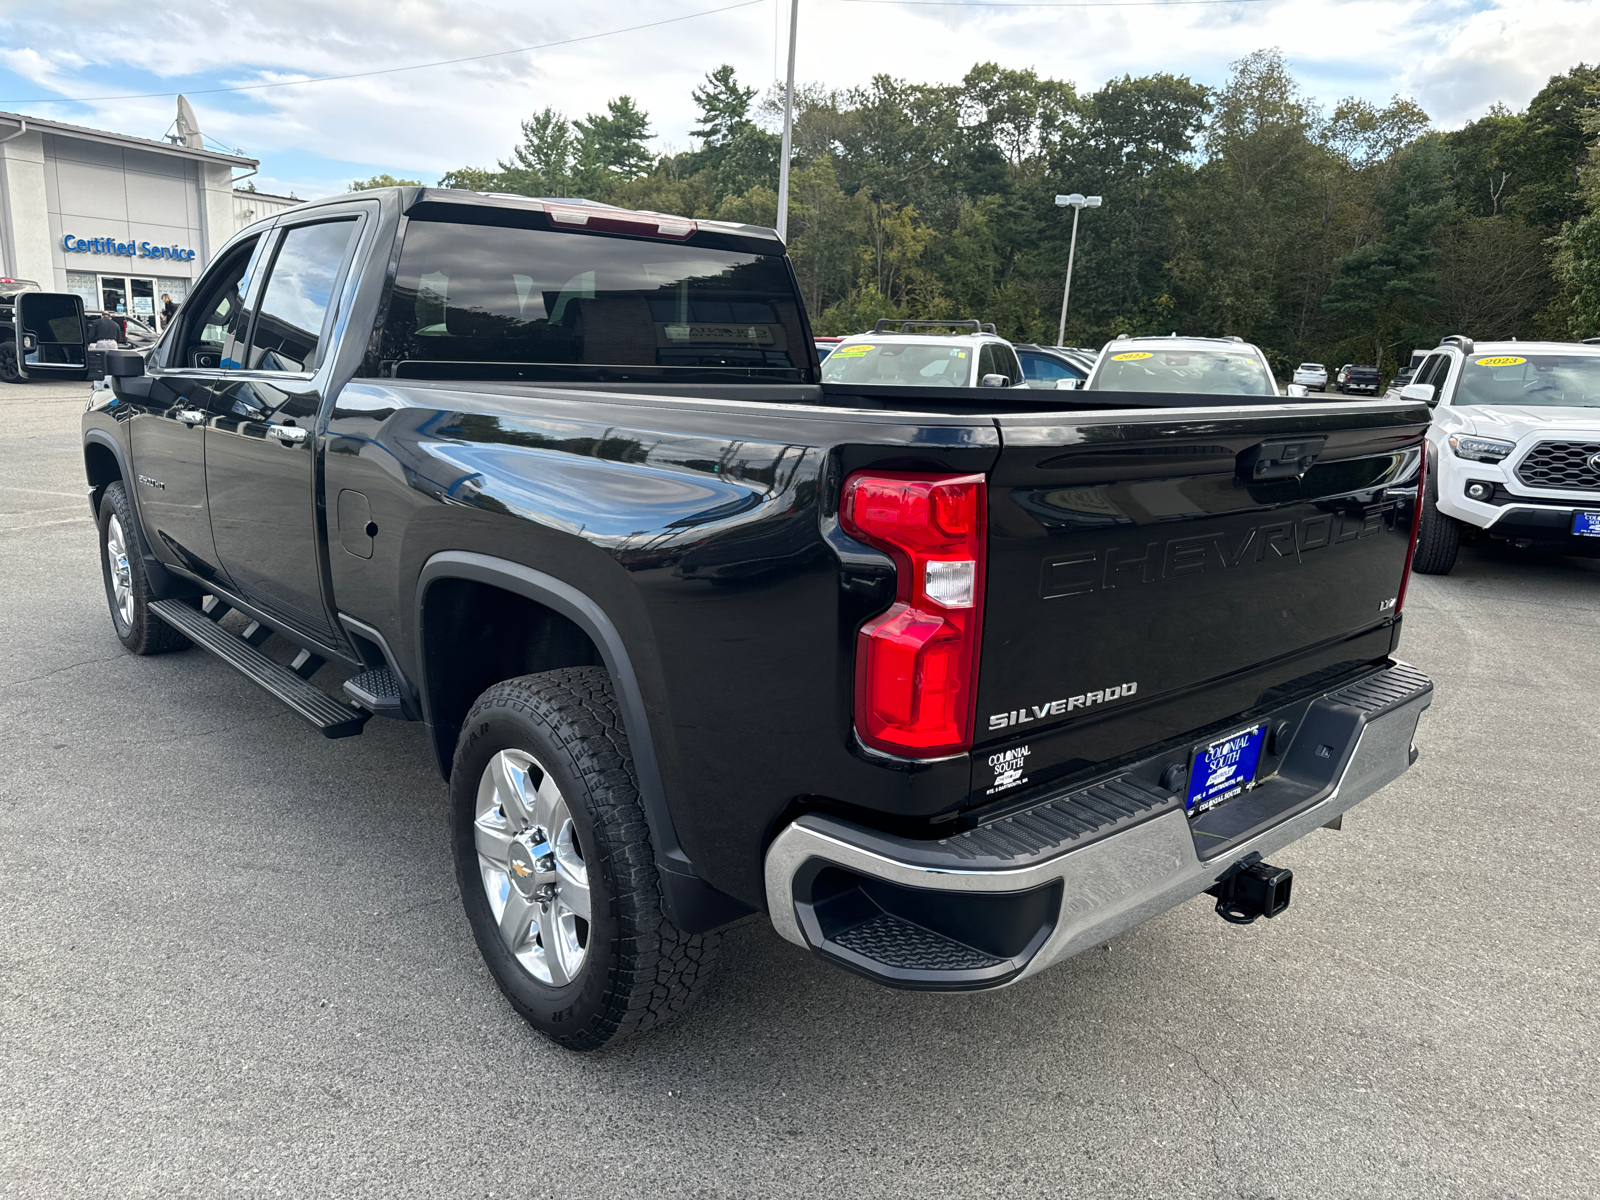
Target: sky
x: 1455, y: 57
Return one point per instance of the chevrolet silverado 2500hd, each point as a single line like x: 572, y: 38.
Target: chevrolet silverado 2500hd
x: 951, y: 683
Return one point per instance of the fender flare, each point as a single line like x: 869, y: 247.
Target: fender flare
x: 164, y: 585
x: 693, y: 905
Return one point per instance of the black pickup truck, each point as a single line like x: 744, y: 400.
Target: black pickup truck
x: 952, y: 684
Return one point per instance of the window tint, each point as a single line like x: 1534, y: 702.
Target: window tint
x: 986, y: 363
x: 298, y: 295
x: 1006, y: 357
x: 490, y: 302
x: 1430, y: 366
x: 215, y: 314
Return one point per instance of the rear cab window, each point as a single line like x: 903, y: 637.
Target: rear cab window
x: 475, y: 301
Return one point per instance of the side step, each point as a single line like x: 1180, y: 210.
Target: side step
x: 333, y: 718
x: 378, y: 691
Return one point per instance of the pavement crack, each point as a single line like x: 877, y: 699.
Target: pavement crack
x: 69, y: 667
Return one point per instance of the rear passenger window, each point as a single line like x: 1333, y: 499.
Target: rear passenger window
x: 497, y: 302
x: 298, y: 295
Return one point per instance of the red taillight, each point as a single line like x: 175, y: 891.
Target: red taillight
x: 917, y: 663
x: 1416, y: 528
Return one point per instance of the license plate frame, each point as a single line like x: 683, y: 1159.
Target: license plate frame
x: 1586, y: 524
x: 1221, y: 769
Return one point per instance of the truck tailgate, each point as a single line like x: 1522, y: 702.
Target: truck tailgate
x: 1152, y: 574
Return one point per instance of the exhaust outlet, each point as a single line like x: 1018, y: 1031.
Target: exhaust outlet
x: 1251, y: 889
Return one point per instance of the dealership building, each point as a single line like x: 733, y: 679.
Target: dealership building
x: 118, y: 220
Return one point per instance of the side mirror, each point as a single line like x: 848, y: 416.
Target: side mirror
x: 1069, y: 385
x: 124, y: 364
x: 1297, y: 390
x: 1419, y: 391
x: 995, y: 381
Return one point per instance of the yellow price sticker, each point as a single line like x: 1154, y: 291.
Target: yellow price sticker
x: 1131, y: 355
x: 852, y: 351
x: 1501, y: 360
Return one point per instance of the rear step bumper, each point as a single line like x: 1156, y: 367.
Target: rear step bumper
x: 1004, y: 901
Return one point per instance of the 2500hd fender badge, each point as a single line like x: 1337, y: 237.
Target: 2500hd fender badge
x: 1056, y: 708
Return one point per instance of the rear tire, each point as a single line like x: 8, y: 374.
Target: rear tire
x: 555, y: 864
x: 9, y: 368
x: 1439, y: 539
x: 127, y: 587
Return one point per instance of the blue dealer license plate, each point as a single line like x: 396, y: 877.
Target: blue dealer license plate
x: 1586, y: 524
x: 1225, y: 768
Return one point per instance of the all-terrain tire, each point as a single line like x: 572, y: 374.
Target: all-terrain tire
x: 127, y: 586
x: 1439, y: 539
x: 10, y: 371
x: 639, y: 969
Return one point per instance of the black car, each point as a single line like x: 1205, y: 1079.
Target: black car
x: 952, y: 683
x: 1048, y: 366
x: 1360, y: 380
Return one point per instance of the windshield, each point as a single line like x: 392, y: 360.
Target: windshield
x: 1224, y: 372
x: 899, y: 365
x: 1533, y: 380
x: 8, y: 290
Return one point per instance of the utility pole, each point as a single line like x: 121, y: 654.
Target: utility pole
x: 788, y: 127
x: 1077, y: 202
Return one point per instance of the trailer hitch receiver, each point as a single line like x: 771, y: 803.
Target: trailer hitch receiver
x: 1251, y: 889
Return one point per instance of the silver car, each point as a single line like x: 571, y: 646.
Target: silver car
x: 1312, y: 375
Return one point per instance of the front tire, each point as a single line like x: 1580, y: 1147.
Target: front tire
x: 555, y: 864
x: 127, y: 587
x: 1439, y: 539
x: 10, y: 369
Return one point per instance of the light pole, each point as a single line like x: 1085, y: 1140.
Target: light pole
x: 1077, y: 202
x: 788, y: 127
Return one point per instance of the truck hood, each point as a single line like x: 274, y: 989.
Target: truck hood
x: 1514, y: 424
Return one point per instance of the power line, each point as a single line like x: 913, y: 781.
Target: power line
x: 443, y: 62
x: 1055, y: 3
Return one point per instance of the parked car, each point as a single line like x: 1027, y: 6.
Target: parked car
x: 10, y: 289
x: 958, y: 353
x: 1514, y: 448
x: 1216, y: 366
x: 1358, y: 379
x: 1051, y: 366
x: 826, y: 346
x: 952, y: 683
x: 1312, y: 375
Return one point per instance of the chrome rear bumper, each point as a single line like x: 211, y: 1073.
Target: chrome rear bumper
x: 942, y: 916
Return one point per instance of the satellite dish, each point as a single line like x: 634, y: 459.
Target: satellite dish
x: 189, y: 126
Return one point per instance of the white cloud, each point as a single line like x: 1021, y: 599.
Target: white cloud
x: 1454, y: 57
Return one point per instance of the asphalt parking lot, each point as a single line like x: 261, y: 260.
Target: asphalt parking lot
x: 232, y: 960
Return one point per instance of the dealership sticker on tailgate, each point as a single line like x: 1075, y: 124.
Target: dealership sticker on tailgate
x: 1223, y: 769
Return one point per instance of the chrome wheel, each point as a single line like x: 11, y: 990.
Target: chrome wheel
x: 121, y: 573
x: 532, y: 867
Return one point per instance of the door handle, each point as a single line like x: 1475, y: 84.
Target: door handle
x: 289, y: 435
x: 191, y: 416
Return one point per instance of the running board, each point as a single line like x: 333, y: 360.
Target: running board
x: 334, y: 718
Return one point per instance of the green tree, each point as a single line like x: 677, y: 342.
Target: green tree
x: 542, y: 163
x: 473, y: 179
x: 724, y: 107
x: 613, y: 143
x: 381, y: 181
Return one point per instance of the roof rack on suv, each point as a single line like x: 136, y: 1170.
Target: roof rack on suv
x: 1459, y: 340
x: 1594, y: 341
x: 886, y: 325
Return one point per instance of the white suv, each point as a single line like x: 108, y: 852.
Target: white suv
x: 900, y: 354
x: 1225, y: 366
x: 1514, y: 448
x: 1312, y: 375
